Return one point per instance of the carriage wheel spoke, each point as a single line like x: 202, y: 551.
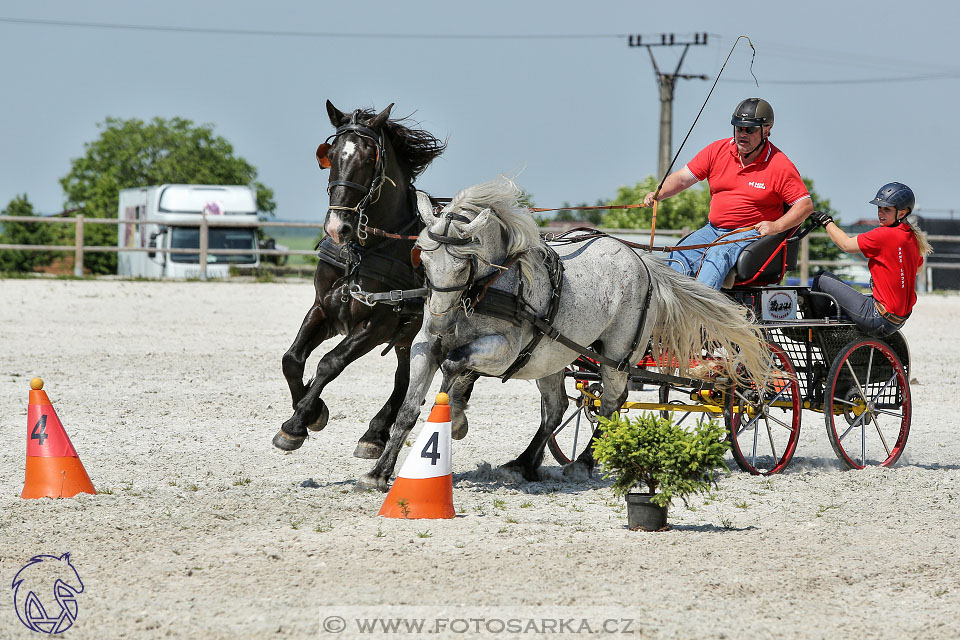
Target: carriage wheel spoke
x: 576, y: 432
x: 844, y: 402
x: 575, y: 414
x: 778, y: 421
x: 876, y: 423
x: 852, y: 425
x: 773, y: 447
x: 856, y: 380
x: 884, y: 388
x: 684, y: 417
x: 887, y: 412
x: 748, y: 424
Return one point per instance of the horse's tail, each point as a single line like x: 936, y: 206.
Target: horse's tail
x: 693, y: 319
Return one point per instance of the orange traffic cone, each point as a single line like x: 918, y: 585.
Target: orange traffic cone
x: 53, y: 468
x: 424, y: 486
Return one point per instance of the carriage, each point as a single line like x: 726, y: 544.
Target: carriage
x: 859, y: 384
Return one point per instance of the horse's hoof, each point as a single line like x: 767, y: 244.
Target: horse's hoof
x: 577, y: 470
x: 459, y: 431
x: 370, y: 482
x: 368, y: 450
x: 286, y: 442
x: 530, y: 475
x: 321, y: 421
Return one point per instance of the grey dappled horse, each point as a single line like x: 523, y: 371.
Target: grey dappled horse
x: 604, y: 290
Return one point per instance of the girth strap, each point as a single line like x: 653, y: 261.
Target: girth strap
x: 555, y: 269
x: 394, y: 273
x: 394, y: 296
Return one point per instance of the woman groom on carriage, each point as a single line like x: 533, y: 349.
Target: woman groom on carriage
x: 894, y: 250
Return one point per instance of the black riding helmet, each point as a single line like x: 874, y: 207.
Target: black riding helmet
x: 896, y: 195
x: 753, y: 112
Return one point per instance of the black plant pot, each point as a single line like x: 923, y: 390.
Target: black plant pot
x: 643, y: 514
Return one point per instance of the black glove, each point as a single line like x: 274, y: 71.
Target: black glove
x: 820, y: 218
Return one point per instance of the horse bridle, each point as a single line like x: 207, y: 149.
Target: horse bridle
x: 474, y: 289
x: 370, y: 193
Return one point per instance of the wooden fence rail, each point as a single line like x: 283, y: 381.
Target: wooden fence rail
x: 204, y: 223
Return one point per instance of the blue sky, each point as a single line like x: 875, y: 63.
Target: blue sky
x: 864, y: 93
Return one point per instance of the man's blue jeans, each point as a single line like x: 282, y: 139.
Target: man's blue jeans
x: 710, y: 265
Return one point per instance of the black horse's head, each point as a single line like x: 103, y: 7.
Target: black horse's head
x: 373, y: 162
x: 356, y: 156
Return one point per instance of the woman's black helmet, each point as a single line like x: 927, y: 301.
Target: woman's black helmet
x: 752, y: 112
x: 896, y: 195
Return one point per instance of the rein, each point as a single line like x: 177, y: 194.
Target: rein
x: 587, y: 233
x: 594, y: 208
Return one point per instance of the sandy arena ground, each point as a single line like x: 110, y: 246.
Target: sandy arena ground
x: 171, y: 393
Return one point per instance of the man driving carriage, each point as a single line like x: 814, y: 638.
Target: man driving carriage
x: 752, y: 184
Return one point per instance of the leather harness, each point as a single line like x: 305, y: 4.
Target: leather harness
x: 479, y: 297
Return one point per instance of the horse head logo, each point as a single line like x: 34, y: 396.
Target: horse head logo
x: 45, y: 593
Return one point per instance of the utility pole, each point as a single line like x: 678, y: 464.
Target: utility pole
x: 666, y: 83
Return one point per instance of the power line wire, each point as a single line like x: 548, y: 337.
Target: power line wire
x: 932, y: 76
x: 313, y: 34
x: 947, y: 74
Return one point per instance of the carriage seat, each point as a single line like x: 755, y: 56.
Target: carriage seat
x: 765, y: 261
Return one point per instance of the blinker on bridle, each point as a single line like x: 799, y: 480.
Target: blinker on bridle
x: 477, y: 285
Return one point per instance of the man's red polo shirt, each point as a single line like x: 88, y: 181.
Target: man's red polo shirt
x: 743, y: 196
x: 893, y: 258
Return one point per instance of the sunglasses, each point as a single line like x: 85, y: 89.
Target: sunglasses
x: 748, y: 130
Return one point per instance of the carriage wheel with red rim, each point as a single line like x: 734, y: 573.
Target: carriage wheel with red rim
x: 763, y: 426
x: 867, y: 404
x: 573, y: 434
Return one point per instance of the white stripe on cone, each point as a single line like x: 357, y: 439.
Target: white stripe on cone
x: 430, y: 456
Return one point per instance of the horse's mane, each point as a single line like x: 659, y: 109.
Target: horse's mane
x: 415, y: 148
x: 519, y: 230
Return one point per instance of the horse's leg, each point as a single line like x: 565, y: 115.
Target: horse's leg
x: 553, y: 404
x: 460, y: 389
x: 371, y: 443
x: 485, y: 353
x: 313, y: 331
x: 309, y: 411
x: 614, y: 394
x: 425, y: 357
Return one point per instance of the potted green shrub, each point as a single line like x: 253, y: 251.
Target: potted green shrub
x: 653, y: 452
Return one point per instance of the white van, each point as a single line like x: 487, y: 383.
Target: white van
x: 226, y: 209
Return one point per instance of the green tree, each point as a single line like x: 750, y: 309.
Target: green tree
x: 689, y: 208
x: 24, y: 233
x: 134, y: 153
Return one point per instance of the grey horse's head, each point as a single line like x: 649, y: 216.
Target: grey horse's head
x: 473, y: 236
x: 452, y: 246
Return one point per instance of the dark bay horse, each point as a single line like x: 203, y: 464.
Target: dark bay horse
x: 373, y: 162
